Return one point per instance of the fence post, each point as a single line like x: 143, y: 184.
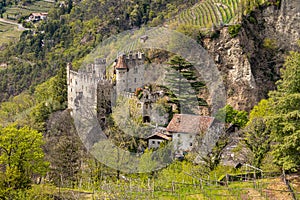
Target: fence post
x: 201, y: 186
x: 254, y: 181
x: 216, y: 179
x: 173, y: 187
x: 227, y: 180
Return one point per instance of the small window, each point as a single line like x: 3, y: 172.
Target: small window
x: 71, y: 89
x: 158, y: 142
x: 191, y: 144
x: 178, y: 135
x: 191, y: 136
x: 153, y: 142
x: 135, y: 80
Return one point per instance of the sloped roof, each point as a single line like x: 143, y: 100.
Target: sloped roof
x: 185, y: 123
x: 161, y: 135
x: 39, y: 14
x: 121, y: 64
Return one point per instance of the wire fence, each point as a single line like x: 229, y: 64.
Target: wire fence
x: 203, y: 189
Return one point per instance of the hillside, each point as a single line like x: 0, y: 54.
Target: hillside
x: 46, y: 152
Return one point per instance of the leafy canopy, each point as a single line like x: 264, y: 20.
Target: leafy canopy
x: 21, y: 156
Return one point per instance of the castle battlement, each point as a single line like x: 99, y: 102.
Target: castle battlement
x: 90, y: 85
x: 100, y: 61
x: 135, y: 56
x: 91, y: 78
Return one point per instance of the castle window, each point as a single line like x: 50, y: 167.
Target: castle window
x: 135, y: 70
x: 153, y: 142
x: 135, y: 80
x: 71, y: 89
x: 129, y: 89
x: 191, y: 144
x: 70, y: 80
x: 75, y: 82
x: 123, y: 81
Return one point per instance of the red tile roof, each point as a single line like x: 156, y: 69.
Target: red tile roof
x: 185, y: 123
x: 121, y: 64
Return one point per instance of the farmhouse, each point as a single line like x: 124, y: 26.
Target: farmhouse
x: 184, y: 129
x: 156, y: 139
x: 34, y: 17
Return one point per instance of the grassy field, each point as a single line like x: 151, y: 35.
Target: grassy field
x: 9, y: 33
x: 18, y: 10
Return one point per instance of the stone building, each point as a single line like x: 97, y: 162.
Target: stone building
x: 84, y: 82
x: 129, y: 72
x: 90, y: 84
x: 184, y: 129
x: 154, y: 141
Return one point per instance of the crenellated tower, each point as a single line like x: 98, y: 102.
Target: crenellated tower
x: 130, y: 71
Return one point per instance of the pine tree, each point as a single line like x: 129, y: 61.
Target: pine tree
x: 183, y: 84
x: 285, y: 122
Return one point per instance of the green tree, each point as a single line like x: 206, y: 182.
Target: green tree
x: 284, y: 123
x: 183, y: 84
x: 257, y: 140
x: 257, y: 136
x: 232, y: 116
x: 21, y: 157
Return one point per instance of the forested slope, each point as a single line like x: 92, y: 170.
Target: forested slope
x: 71, y: 32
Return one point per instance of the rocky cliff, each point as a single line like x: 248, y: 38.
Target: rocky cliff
x: 250, y: 62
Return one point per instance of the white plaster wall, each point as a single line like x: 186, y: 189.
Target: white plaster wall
x: 154, y: 143
x: 182, y: 141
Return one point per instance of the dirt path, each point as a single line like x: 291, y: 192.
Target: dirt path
x: 20, y: 26
x: 277, y: 190
x: 254, y: 194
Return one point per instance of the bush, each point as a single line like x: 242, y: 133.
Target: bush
x: 270, y: 44
x: 234, y: 30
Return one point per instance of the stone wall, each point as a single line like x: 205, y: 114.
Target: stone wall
x: 129, y: 79
x: 83, y: 84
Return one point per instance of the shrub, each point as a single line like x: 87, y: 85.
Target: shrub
x: 270, y: 43
x: 234, y: 30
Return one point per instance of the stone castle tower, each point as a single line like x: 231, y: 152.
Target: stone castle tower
x: 129, y: 72
x: 91, y: 84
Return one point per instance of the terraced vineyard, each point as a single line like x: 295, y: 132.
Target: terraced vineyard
x: 207, y: 13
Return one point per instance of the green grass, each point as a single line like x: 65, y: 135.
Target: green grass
x: 8, y: 33
x: 39, y: 6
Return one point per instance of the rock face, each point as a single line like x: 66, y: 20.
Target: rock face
x: 232, y: 61
x: 250, y: 62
